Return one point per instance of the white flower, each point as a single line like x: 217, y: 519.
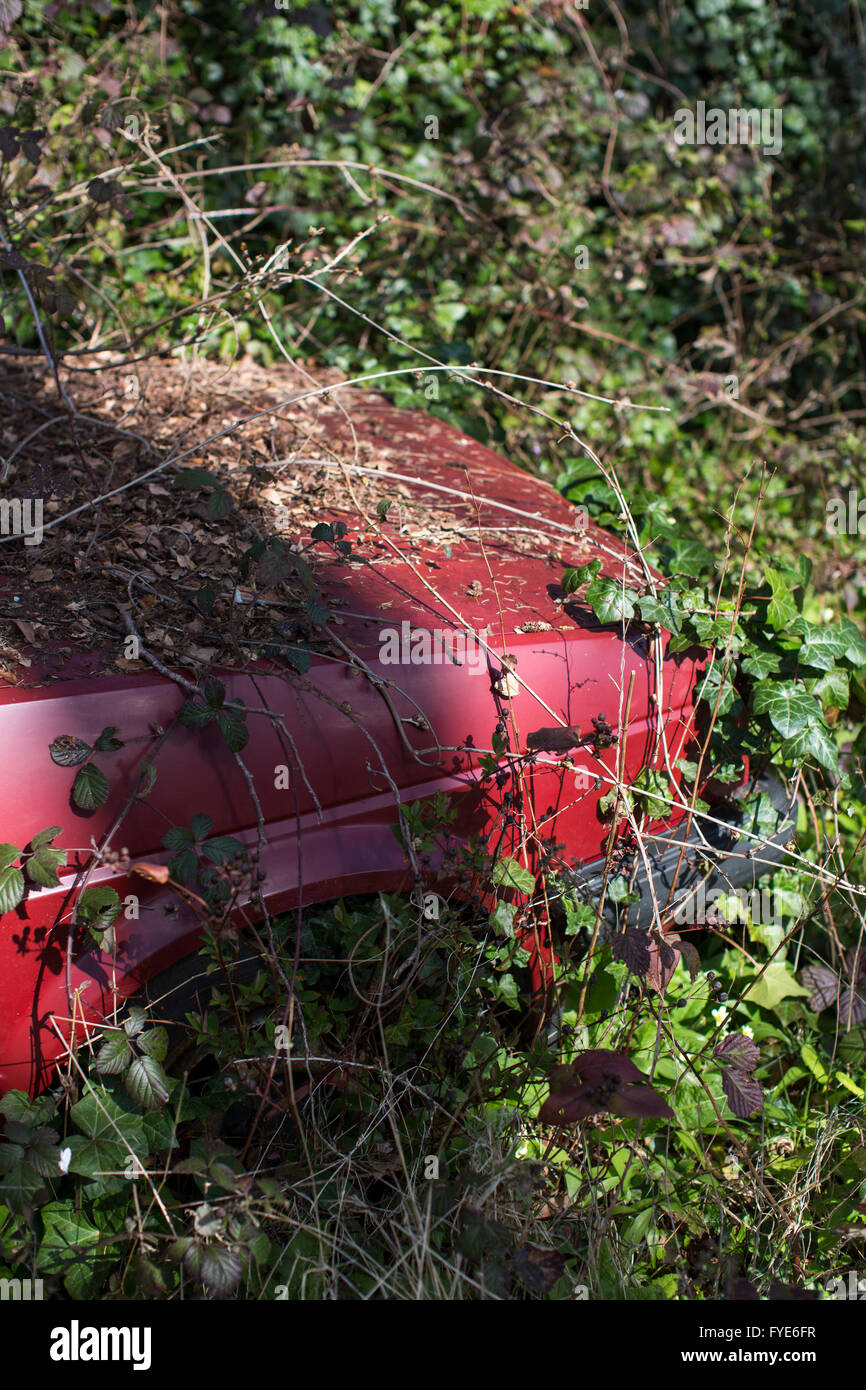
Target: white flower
x: 64, y: 1160
x: 720, y: 1015
x: 747, y: 1032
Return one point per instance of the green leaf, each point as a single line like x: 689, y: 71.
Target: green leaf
x: 776, y: 983
x: 195, y: 477
x: 68, y: 751
x: 177, y: 837
x: 195, y: 715
x: 155, y: 1043
x: 11, y: 887
x: 42, y: 866
x: 761, y: 663
x: 578, y: 916
x: 147, y: 1083
x: 219, y: 504
x: 90, y: 788
x: 855, y: 651
x: 107, y: 743
x: 790, y: 708
x: 135, y: 1021
x: 509, y: 874
x: 98, y: 907
x: 609, y: 601
x: 782, y: 608
x: 44, y: 837
x: 833, y: 690
x: 205, y: 598
x: 233, y: 728
x: 572, y: 579
x: 758, y: 815
x: 183, y: 867
x: 201, y: 826
x: 215, y: 1266
x: 822, y: 647
x: 502, y: 919
x: 651, y: 787
x: 221, y: 849
x: 274, y: 566
x: 73, y: 1247
x: 812, y: 743
x: 214, y: 692
x: 115, y: 1053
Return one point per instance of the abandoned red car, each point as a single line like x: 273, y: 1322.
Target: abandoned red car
x: 428, y: 647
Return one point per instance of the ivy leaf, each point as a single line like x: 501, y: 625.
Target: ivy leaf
x: 758, y: 815
x: 833, y: 690
x: 502, y: 919
x: 609, y: 601
x: 650, y: 786
x: 572, y: 579
x: 665, y: 611
x: 822, y: 647
x: 781, y: 609
x: 509, y: 874
x: 761, y: 663
x: 744, y: 1094
x: 855, y: 651
x: 68, y: 751
x: 812, y: 743
x: 147, y: 1083
x: 90, y: 788
x: 790, y: 708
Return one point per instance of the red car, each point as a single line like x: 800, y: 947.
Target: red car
x: 460, y: 667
